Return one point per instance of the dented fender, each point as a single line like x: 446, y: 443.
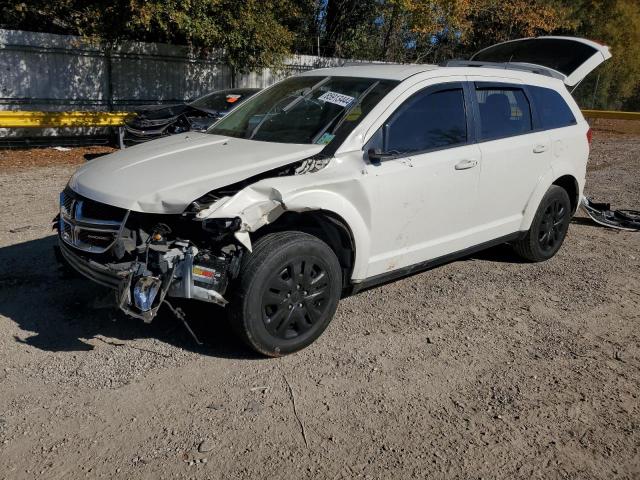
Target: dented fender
x: 263, y: 202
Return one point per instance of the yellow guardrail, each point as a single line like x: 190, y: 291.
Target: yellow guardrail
x: 21, y: 119
x: 611, y: 114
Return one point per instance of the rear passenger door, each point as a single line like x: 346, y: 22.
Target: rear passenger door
x: 515, y: 154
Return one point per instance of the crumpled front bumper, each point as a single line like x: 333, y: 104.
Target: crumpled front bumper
x: 94, y: 271
x: 181, y: 278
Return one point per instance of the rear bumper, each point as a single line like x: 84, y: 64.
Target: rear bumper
x: 94, y: 271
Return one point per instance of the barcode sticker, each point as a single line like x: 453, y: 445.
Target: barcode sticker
x: 336, y: 98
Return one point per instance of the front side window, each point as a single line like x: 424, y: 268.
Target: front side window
x: 427, y: 121
x: 305, y: 109
x: 503, y: 112
x: 552, y: 108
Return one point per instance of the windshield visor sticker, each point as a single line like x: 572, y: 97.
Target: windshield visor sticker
x: 336, y: 98
x: 325, y: 139
x: 233, y: 98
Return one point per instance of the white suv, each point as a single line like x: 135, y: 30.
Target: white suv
x: 337, y: 180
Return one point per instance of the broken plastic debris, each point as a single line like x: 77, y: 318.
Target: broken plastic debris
x: 602, y: 214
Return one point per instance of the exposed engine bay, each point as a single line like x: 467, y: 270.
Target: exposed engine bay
x: 147, y: 257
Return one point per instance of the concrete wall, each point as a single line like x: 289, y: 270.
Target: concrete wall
x: 41, y: 71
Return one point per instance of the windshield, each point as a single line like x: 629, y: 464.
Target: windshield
x: 222, y: 101
x: 305, y: 109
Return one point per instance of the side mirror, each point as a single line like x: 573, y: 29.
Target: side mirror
x: 376, y: 156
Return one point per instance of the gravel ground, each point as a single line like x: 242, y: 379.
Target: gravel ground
x: 483, y: 368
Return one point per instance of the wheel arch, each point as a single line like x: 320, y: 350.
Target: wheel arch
x: 326, y: 225
x: 566, y: 180
x: 339, y: 213
x: 570, y: 184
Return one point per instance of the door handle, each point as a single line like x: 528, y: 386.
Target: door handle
x: 540, y: 148
x: 466, y: 164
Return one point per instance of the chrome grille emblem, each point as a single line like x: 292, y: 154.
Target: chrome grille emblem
x: 85, y: 233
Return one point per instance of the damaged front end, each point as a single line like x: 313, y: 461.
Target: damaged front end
x: 146, y: 258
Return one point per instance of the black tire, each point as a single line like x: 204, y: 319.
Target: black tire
x: 548, y: 228
x: 286, y: 293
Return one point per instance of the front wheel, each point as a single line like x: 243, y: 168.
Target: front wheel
x: 287, y: 293
x: 548, y: 228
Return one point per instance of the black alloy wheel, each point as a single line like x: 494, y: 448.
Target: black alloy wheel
x: 551, y: 231
x: 286, y: 293
x: 295, y: 298
x: 548, y: 227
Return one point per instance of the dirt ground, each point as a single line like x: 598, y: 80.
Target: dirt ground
x: 483, y: 368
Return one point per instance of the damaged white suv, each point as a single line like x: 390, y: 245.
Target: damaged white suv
x: 337, y: 180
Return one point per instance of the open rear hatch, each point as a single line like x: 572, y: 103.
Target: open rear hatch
x: 570, y: 57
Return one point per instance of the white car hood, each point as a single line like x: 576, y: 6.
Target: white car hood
x: 166, y: 175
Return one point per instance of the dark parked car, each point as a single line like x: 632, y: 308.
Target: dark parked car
x: 155, y: 121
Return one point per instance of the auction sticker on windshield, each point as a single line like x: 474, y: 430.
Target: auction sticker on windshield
x: 337, y: 98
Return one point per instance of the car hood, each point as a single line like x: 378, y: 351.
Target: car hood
x: 166, y: 175
x: 154, y: 112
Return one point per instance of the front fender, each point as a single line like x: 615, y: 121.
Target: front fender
x: 263, y: 202
x: 343, y: 207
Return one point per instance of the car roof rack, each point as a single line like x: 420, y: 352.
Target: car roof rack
x: 523, y: 67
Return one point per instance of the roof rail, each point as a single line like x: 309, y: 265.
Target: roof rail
x: 523, y: 67
x: 365, y: 63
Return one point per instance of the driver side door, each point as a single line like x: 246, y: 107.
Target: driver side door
x: 424, y: 191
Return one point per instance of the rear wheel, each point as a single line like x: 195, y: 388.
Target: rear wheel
x: 287, y: 293
x: 548, y: 228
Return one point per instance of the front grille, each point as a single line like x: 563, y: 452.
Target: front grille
x: 65, y: 202
x: 88, y: 225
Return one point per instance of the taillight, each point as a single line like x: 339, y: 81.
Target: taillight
x: 589, y: 136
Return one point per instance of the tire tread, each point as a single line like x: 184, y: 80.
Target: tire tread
x: 263, y: 248
x: 526, y: 247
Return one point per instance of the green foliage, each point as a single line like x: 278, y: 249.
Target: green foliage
x: 615, y: 23
x: 247, y: 35
x: 252, y: 34
x: 431, y: 30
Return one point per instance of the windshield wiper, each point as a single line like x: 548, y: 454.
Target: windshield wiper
x: 288, y: 106
x: 271, y: 111
x: 340, y: 117
x: 297, y: 100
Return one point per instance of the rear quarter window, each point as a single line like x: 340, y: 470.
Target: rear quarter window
x: 552, y: 108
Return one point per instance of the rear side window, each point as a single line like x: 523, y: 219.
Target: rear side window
x: 428, y: 121
x: 503, y: 112
x: 552, y: 108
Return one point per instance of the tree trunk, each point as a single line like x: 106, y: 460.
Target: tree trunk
x: 387, y: 37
